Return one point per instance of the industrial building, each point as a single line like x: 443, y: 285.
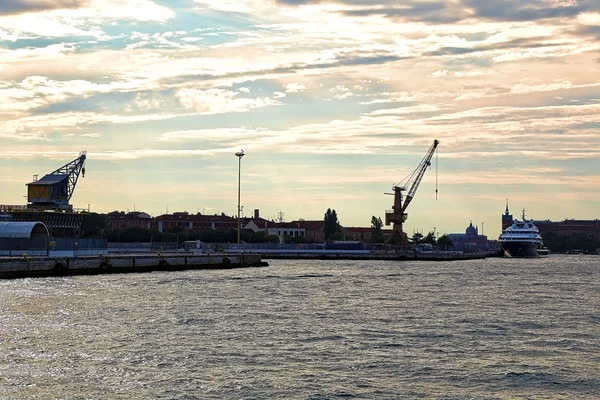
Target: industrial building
x: 16, y: 237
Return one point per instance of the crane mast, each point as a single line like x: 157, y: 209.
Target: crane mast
x: 398, y: 215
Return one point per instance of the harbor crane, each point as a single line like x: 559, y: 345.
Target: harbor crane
x: 398, y: 215
x: 53, y: 191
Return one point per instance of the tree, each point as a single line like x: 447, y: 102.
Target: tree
x: 93, y: 225
x: 376, y: 234
x: 417, y: 238
x: 256, y: 237
x: 331, y: 228
x: 294, y: 239
x: 272, y: 239
x: 430, y: 238
x: 444, y: 242
x: 176, y: 229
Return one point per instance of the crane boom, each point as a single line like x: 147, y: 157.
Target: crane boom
x: 420, y: 171
x: 397, y: 215
x: 71, y: 171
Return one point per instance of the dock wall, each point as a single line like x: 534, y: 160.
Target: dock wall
x: 58, y: 266
x: 365, y: 255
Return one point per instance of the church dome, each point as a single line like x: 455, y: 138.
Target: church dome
x: 471, y: 230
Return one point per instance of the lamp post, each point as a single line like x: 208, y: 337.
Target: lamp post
x: 239, y: 155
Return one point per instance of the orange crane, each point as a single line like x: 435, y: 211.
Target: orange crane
x: 398, y: 214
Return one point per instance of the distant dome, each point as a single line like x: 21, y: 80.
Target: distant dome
x: 471, y: 230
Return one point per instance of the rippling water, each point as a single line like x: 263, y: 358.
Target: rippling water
x: 484, y: 329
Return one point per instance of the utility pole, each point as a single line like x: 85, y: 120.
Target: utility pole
x: 239, y: 155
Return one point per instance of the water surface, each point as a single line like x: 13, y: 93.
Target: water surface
x: 481, y: 329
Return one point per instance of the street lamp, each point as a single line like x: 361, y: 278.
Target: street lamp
x: 239, y: 155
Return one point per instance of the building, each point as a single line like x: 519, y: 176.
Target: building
x: 23, y: 236
x: 566, y: 227
x: 176, y: 222
x: 507, y: 218
x: 570, y: 226
x: 282, y: 229
x: 255, y: 225
x: 363, y: 234
x: 470, y: 241
x: 118, y: 220
x: 272, y: 228
x: 183, y: 221
x: 313, y: 230
x: 59, y: 223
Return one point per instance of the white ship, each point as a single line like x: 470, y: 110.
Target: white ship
x: 522, y: 239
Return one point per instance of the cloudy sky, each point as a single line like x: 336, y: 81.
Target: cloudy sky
x: 332, y: 101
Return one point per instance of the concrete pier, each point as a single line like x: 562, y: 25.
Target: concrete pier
x: 21, y: 267
x: 365, y: 255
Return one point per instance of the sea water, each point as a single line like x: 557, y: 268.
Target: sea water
x: 481, y: 329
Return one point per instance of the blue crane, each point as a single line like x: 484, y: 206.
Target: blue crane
x: 53, y: 191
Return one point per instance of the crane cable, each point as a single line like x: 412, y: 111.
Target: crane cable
x: 436, y: 172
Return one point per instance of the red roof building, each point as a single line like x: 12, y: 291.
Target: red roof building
x: 363, y: 234
x: 313, y: 230
x: 118, y: 220
x: 589, y: 227
x: 194, y: 222
x: 569, y: 226
x: 179, y: 221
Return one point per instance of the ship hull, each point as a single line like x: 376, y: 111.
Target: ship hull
x: 520, y: 249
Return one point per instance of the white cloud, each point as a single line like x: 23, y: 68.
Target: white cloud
x: 440, y: 73
x: 190, y: 39
x: 406, y: 110
x: 589, y: 18
x: 219, y: 135
x: 218, y: 101
x: 469, y: 74
x: 82, y: 21
x: 294, y: 87
x: 23, y: 136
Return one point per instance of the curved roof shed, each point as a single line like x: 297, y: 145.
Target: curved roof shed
x: 22, y: 229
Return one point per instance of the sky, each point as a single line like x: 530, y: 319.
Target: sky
x: 333, y: 102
